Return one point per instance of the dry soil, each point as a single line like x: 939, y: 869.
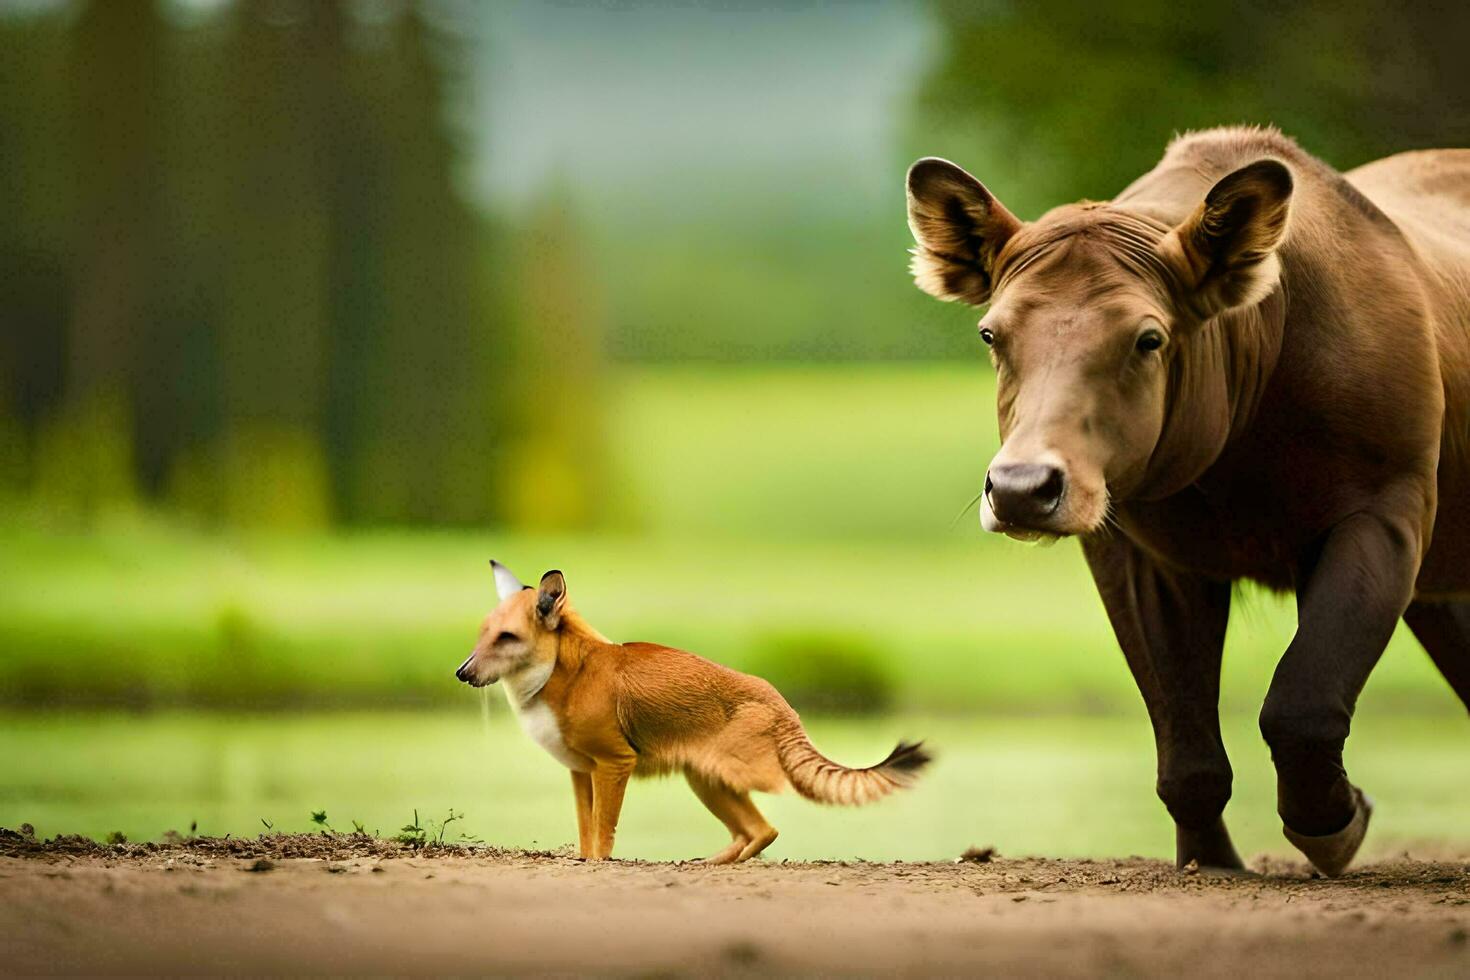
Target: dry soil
x: 346, y: 904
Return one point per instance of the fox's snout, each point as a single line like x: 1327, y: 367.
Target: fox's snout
x: 464, y: 673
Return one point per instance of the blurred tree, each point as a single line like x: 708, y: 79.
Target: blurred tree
x: 558, y: 461
x: 1054, y: 101
x: 418, y: 400
x: 112, y: 104
x: 35, y: 133
x: 238, y: 274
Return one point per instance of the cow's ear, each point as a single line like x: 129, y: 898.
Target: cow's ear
x: 551, y: 599
x: 1224, y: 254
x: 960, y: 228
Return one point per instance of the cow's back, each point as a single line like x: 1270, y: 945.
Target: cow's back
x: 1427, y: 194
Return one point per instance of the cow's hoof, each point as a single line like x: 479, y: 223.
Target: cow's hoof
x: 1207, y: 847
x: 1332, y: 853
x: 1208, y: 871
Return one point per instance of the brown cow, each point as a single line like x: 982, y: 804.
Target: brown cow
x: 1247, y: 366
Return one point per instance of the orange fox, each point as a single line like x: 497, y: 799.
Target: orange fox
x: 609, y: 711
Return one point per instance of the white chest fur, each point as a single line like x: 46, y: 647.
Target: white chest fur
x: 537, y: 719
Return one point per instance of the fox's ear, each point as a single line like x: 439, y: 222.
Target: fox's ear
x: 551, y: 598
x: 506, y: 583
x: 959, y: 228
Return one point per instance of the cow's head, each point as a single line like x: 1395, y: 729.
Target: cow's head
x: 1089, y: 307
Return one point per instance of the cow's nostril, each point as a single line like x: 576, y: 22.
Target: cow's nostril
x: 1025, y: 493
x: 1050, y: 490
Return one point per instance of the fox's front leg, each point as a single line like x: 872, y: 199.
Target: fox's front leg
x: 582, y: 790
x: 609, y: 780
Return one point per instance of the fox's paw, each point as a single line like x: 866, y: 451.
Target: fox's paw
x: 761, y: 841
x: 730, y: 854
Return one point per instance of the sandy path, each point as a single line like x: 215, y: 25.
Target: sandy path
x: 377, y: 908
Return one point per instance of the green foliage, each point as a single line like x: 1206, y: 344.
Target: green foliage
x: 84, y: 460
x: 413, y: 834
x: 240, y: 279
x: 1052, y: 102
x: 827, y: 673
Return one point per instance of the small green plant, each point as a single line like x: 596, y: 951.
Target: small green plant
x: 267, y: 824
x: 444, y: 824
x: 413, y: 834
x: 117, y: 837
x: 319, y: 817
x: 417, y: 835
x: 357, y: 828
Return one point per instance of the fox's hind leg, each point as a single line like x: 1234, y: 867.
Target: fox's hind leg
x: 749, y: 832
x: 719, y: 800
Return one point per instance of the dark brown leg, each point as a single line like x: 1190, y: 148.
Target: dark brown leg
x: 1171, y: 627
x: 1349, y: 600
x: 1443, y: 628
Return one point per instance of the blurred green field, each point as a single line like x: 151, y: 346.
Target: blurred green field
x: 1063, y: 786
x: 160, y: 618
x: 763, y: 511
x: 793, y: 522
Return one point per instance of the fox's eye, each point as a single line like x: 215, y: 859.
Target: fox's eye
x: 987, y: 335
x: 506, y: 637
x: 1149, y: 341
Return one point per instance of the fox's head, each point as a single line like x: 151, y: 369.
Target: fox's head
x: 518, y: 640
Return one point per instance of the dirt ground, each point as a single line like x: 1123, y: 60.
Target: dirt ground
x: 346, y: 904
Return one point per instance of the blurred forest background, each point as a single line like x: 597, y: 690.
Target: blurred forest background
x: 309, y: 307
x: 271, y: 264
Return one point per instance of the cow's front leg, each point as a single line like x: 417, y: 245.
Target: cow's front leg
x: 1171, y: 626
x: 1350, y: 596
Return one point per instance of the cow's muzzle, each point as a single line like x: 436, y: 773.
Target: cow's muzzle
x: 1025, y: 495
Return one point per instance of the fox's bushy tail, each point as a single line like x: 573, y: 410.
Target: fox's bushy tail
x: 818, y: 778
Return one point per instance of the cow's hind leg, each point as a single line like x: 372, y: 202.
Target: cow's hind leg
x: 1443, y: 628
x: 1171, y: 626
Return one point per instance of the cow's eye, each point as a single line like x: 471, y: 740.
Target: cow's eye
x: 506, y: 637
x: 987, y: 335
x: 1149, y: 341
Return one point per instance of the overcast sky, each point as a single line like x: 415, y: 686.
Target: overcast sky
x: 635, y: 98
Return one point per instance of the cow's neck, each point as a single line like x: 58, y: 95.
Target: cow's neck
x: 1216, y: 384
